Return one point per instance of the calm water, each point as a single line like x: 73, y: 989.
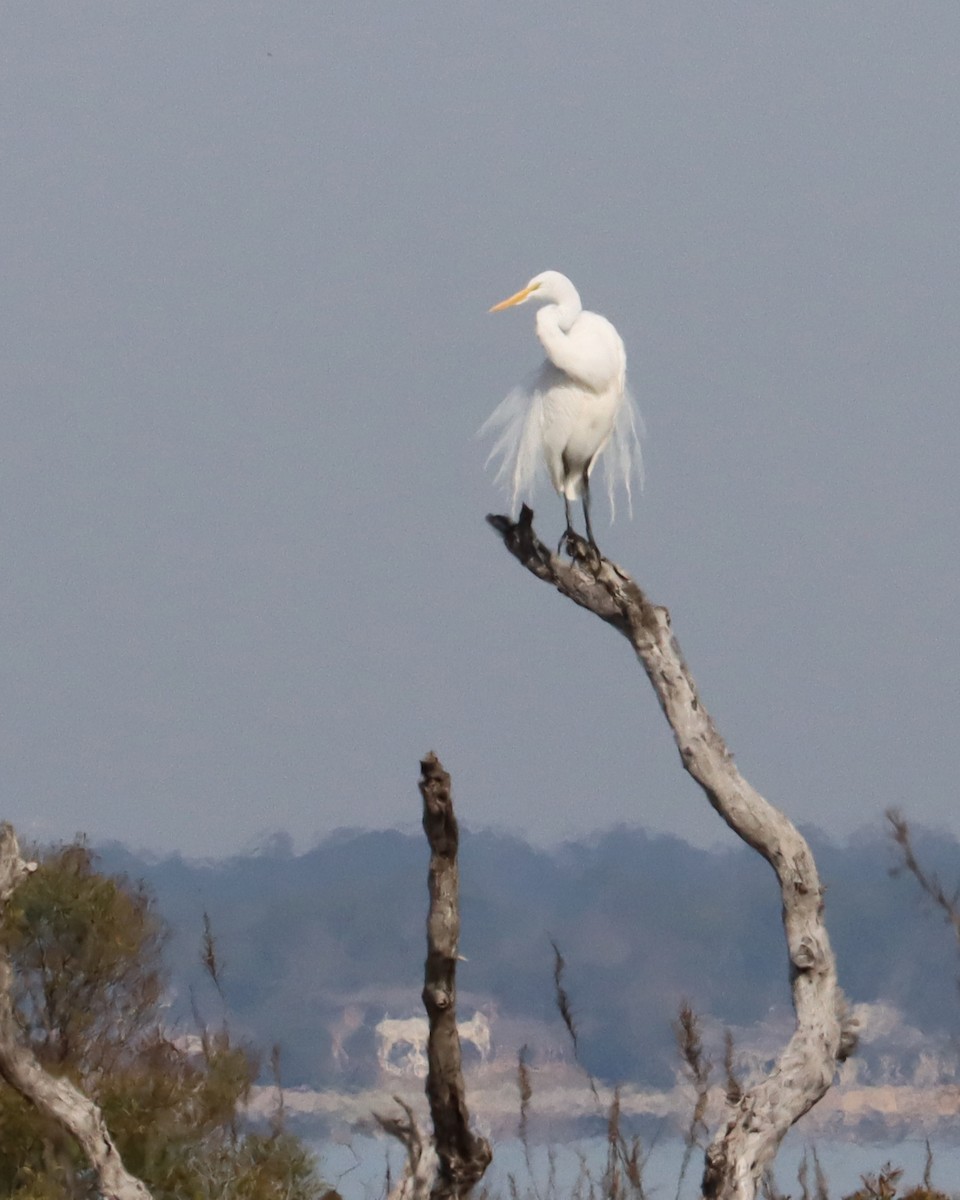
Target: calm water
x: 358, y: 1171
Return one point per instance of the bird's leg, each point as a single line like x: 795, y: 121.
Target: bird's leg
x: 586, y: 511
x: 579, y: 550
x: 582, y: 551
x: 570, y: 540
x: 568, y: 536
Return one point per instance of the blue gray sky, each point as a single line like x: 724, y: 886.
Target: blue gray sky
x: 247, y: 256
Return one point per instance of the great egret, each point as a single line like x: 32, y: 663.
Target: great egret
x: 573, y: 409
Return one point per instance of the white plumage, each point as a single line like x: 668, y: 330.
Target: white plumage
x: 574, y: 409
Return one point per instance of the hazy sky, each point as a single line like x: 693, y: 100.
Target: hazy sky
x: 248, y: 252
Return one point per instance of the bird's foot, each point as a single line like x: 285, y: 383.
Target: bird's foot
x: 581, y: 551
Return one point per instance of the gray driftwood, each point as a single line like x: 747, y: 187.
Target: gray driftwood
x: 456, y: 1159
x: 54, y: 1096
x: 753, y: 1127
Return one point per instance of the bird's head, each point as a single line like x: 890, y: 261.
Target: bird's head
x: 549, y: 287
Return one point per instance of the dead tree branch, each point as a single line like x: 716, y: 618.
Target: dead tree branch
x: 463, y: 1156
x: 420, y: 1168
x: 53, y: 1096
x: 929, y: 881
x: 447, y: 1167
x: 755, y: 1125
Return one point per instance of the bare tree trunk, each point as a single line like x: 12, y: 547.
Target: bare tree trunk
x: 53, y: 1096
x: 463, y: 1156
x: 753, y: 1127
x: 455, y: 1160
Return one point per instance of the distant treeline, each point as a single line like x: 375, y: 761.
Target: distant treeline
x: 319, y: 946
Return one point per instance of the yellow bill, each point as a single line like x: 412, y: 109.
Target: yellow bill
x: 516, y: 299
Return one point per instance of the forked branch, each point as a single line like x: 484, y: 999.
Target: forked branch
x: 755, y: 1124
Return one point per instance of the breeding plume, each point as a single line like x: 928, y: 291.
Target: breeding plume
x: 573, y: 410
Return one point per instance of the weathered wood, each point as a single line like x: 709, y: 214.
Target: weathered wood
x: 420, y: 1167
x: 54, y: 1096
x: 448, y: 1165
x: 463, y: 1156
x: 824, y: 1035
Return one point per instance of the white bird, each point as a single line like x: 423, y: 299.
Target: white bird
x: 575, y: 408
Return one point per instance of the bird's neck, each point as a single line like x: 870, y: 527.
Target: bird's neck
x: 554, y: 321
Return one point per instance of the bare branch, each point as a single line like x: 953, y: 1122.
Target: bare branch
x: 928, y: 880
x: 420, y: 1168
x: 564, y: 1008
x: 824, y: 1034
x: 562, y: 999
x: 54, y: 1096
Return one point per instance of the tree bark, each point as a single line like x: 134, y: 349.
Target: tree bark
x: 824, y: 1035
x: 447, y: 1166
x: 463, y: 1156
x: 56, y: 1097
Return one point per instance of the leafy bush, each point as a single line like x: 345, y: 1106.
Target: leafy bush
x: 86, y: 949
